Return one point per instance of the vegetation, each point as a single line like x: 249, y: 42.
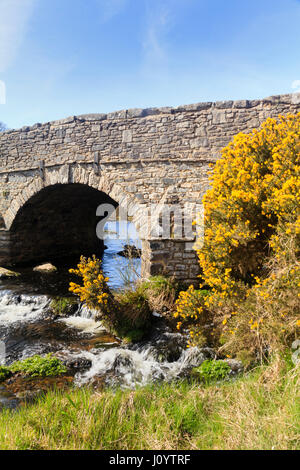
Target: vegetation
x: 63, y: 306
x: 5, y: 373
x: 136, y: 314
x: 38, y: 366
x: 250, y: 256
x: 191, y: 311
x: 161, y: 292
x: 247, y: 305
x: 129, y: 273
x: 127, y: 314
x: 257, y: 411
x: 212, y: 371
x: 2, y: 127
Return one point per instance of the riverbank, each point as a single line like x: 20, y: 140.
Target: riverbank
x: 259, y: 410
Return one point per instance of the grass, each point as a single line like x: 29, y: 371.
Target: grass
x: 63, y: 306
x: 258, y: 411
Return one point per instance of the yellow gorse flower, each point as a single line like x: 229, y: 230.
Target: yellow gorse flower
x: 252, y: 213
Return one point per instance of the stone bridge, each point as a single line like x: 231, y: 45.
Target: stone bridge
x: 53, y: 176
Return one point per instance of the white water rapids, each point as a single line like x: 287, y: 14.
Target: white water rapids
x: 25, y: 327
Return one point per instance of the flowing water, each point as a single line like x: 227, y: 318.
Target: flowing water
x: 26, y: 328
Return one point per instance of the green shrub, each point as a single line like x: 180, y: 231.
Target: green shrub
x: 38, y: 366
x: 212, y: 371
x: 63, y: 306
x: 5, y: 373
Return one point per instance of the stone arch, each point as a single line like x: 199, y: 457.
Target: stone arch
x: 54, y: 197
x: 78, y: 175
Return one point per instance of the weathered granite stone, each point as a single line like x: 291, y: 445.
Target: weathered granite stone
x: 45, y: 268
x: 6, y: 273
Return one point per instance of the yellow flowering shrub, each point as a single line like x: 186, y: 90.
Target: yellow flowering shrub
x: 94, y: 291
x: 269, y: 318
x: 252, y: 227
x: 126, y: 314
x: 192, y: 312
x: 255, y: 192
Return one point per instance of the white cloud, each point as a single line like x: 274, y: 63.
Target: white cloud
x: 155, y: 44
x: 14, y: 17
x: 110, y: 8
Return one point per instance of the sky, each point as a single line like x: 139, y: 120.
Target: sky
x: 60, y: 58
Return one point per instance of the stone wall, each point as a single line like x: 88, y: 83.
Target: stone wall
x: 141, y: 155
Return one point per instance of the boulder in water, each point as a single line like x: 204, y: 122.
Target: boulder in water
x: 130, y: 251
x: 6, y: 273
x: 75, y: 365
x: 45, y: 268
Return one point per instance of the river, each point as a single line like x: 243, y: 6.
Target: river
x: 26, y: 328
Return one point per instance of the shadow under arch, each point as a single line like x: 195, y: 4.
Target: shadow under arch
x: 58, y: 223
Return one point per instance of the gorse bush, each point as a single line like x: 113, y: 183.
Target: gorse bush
x: 95, y: 291
x: 126, y: 314
x: 192, y: 312
x: 254, y: 198
x: 250, y: 256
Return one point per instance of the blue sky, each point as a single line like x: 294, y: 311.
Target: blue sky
x: 64, y: 57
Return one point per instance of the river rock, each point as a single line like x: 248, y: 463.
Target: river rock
x: 6, y: 273
x: 45, y: 268
x: 75, y: 365
x: 235, y: 366
x: 130, y: 251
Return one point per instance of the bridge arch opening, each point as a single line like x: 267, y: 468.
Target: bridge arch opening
x: 57, y: 224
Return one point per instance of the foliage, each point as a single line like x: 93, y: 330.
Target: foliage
x: 2, y: 127
x: 136, y: 314
x: 129, y: 271
x: 5, y: 373
x: 192, y: 312
x: 212, y: 371
x: 255, y: 196
x: 259, y: 410
x: 268, y: 319
x: 38, y: 366
x: 250, y: 256
x: 63, y: 306
x: 159, y: 284
x: 95, y: 291
x: 135, y: 301
x: 126, y: 314
x: 161, y: 292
